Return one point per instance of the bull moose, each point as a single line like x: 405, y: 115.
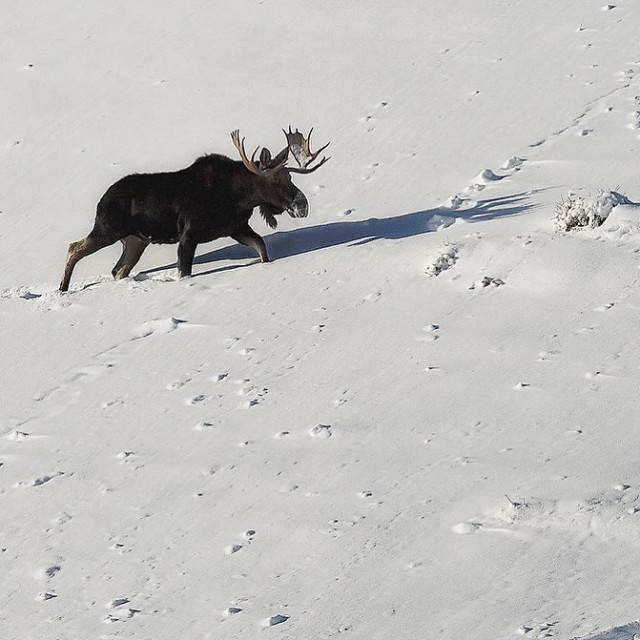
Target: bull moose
x: 211, y: 199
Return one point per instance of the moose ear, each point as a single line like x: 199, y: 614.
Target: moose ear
x: 265, y: 158
x: 281, y: 158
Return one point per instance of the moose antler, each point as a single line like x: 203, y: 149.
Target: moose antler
x: 266, y: 166
x: 301, y: 151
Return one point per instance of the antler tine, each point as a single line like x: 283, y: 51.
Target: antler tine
x: 301, y: 150
x: 318, y: 152
x: 251, y: 165
x: 305, y: 170
x: 307, y: 142
x: 239, y: 145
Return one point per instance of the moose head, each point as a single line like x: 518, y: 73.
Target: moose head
x: 277, y: 189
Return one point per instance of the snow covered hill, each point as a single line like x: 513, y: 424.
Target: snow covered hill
x: 419, y: 421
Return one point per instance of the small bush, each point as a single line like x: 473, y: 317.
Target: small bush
x: 576, y: 211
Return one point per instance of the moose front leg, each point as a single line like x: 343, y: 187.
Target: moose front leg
x: 247, y: 236
x: 186, y: 252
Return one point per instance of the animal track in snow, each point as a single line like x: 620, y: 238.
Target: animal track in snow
x: 430, y: 333
x: 374, y: 296
x: 455, y: 202
x: 254, y: 394
x: 337, y: 527
x: 634, y: 117
x: 322, y: 431
x: 94, y: 370
x: 120, y: 615
x: 40, y: 480
x: 17, y: 436
x: 537, y: 631
x: 127, y: 457
x: 371, y: 170
x: 232, y: 548
x: 514, y: 163
x: 370, y: 119
x: 24, y: 293
x: 546, y: 356
x: 466, y: 527
x: 487, y: 281
x: 204, y: 425
x: 185, y: 379
x: 247, y: 536
x: 49, y: 572
x: 197, y: 399
x: 118, y: 602
x: 97, y: 368
x: 110, y: 404
x: 272, y: 621
x: 178, y: 384
x: 161, y: 326
x: 343, y: 399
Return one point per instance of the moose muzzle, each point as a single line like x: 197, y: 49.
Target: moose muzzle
x: 299, y: 207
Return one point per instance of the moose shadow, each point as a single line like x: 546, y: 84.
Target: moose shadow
x: 285, y: 244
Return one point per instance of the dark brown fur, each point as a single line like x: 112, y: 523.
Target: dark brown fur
x: 212, y: 198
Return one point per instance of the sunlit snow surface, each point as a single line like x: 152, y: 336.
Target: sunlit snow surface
x: 419, y: 421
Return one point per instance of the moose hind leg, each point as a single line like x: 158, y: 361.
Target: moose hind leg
x: 78, y: 250
x: 247, y: 236
x: 132, y: 250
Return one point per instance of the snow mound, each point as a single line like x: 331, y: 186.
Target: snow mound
x: 629, y: 631
x: 514, y: 162
x: 487, y: 176
x: 623, y: 224
x: 160, y: 326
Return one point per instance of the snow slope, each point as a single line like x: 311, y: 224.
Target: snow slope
x: 420, y: 420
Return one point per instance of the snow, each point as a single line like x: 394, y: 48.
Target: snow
x: 418, y: 421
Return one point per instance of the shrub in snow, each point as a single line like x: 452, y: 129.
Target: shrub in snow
x: 443, y: 260
x: 577, y: 211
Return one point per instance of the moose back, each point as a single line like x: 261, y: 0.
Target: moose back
x: 212, y: 198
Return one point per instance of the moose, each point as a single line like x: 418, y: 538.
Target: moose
x: 213, y: 198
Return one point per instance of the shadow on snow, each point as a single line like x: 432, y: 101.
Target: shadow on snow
x: 285, y: 244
